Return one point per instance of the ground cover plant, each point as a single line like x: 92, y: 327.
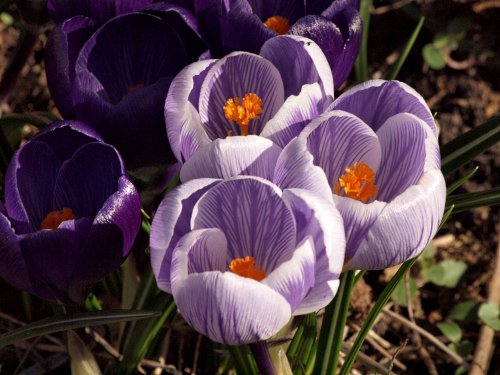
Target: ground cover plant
x: 249, y: 187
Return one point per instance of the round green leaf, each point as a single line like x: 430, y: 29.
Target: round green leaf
x: 451, y: 330
x: 489, y: 313
x: 433, y: 56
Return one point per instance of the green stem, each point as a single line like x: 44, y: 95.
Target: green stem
x: 372, y: 316
x: 361, y: 67
x: 332, y: 329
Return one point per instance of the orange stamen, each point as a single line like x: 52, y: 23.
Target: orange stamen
x: 250, y: 108
x: 357, y: 183
x: 55, y: 218
x: 278, y: 24
x: 134, y: 87
x: 245, y: 267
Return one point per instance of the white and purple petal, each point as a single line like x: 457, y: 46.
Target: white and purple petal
x: 240, y: 155
x: 300, y: 61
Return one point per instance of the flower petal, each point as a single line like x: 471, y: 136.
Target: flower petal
x: 234, y: 76
x: 295, y: 113
x: 61, y: 51
x: 402, y: 138
x: 184, y: 129
x: 252, y: 215
x: 225, y: 307
x: 294, y: 278
x: 295, y: 169
x: 337, y: 140
x: 87, y: 179
x: 358, y: 219
x: 319, y: 218
x: 376, y: 100
x: 300, y: 61
x: 172, y: 221
x: 208, y: 250
x: 29, y: 181
x: 405, y: 226
x: 223, y: 158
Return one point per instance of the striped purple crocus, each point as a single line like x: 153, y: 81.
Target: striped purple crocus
x: 224, y: 103
x: 241, y: 256
x: 378, y: 147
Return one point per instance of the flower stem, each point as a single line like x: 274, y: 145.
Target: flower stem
x: 260, y: 351
x: 332, y: 329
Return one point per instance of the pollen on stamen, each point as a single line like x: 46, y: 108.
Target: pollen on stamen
x: 55, y: 218
x: 249, y: 109
x: 357, y: 183
x: 278, y: 24
x: 245, y: 267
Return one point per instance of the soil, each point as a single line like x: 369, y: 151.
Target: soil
x: 461, y: 98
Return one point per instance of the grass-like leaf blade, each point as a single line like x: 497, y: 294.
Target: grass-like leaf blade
x: 466, y: 147
x: 467, y: 201
x: 393, y: 73
x: 60, y: 323
x: 456, y: 184
x: 361, y: 67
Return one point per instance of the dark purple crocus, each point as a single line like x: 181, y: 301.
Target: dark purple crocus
x: 244, y: 25
x: 378, y: 147
x: 241, y: 256
x: 71, y: 215
x: 271, y: 95
x: 97, y: 10
x: 115, y: 77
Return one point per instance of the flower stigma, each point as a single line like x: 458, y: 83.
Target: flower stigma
x: 55, y: 218
x: 249, y: 109
x: 278, y: 24
x: 357, y: 183
x: 245, y: 267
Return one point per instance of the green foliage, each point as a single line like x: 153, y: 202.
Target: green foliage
x: 447, y: 273
x: 466, y: 147
x: 468, y: 201
x: 489, y: 313
x: 463, y: 348
x: 399, y: 294
x: 65, y: 322
x: 451, y: 330
x: 434, y: 53
x: 463, y: 311
x: 301, y: 346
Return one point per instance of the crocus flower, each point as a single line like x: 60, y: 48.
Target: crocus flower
x: 70, y: 216
x: 241, y: 256
x: 378, y: 148
x: 244, y: 25
x: 243, y: 95
x: 115, y: 77
x: 97, y: 10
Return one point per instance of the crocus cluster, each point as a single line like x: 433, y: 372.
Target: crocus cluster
x: 70, y: 215
x: 283, y: 186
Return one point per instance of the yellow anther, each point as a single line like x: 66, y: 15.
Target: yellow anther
x: 55, y: 218
x: 278, y: 24
x: 249, y: 109
x: 245, y: 267
x: 357, y: 183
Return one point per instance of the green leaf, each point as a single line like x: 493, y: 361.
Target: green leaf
x: 145, y: 332
x: 489, y: 313
x: 433, y: 56
x: 455, y: 185
x: 441, y: 40
x: 446, y: 273
x: 463, y: 311
x: 463, y: 348
x: 243, y: 360
x: 399, y: 294
x: 467, y: 201
x: 406, y: 50
x: 451, y: 330
x: 458, y: 27
x: 361, y: 66
x: 65, y: 322
x: 461, y: 370
x: 299, y: 349
x: 466, y: 147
